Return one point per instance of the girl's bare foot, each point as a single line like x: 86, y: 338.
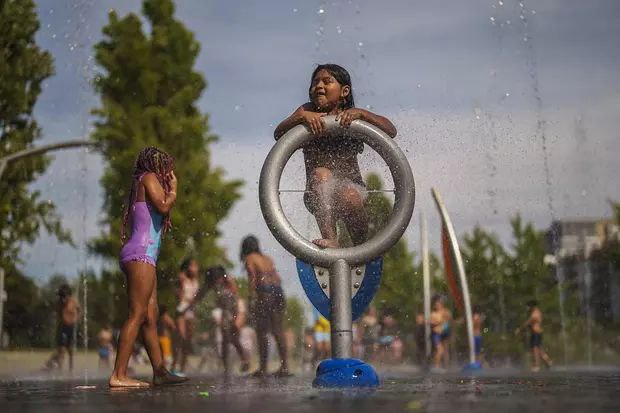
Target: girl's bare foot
x: 127, y: 382
x: 326, y: 243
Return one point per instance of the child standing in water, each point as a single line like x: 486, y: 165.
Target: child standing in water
x: 534, y: 323
x: 152, y: 196
x: 68, y: 313
x: 268, y: 303
x: 333, y: 177
x: 187, y: 289
x: 233, y: 314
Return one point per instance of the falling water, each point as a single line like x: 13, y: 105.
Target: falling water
x: 541, y: 134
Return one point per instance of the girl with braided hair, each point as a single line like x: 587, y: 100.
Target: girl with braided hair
x: 152, y: 196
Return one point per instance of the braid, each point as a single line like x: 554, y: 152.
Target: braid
x: 153, y: 160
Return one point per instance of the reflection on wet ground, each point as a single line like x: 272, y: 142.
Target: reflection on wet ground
x: 549, y: 392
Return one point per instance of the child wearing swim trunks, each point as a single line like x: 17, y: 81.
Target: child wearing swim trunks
x: 534, y: 324
x: 68, y: 313
x: 267, y: 303
x: 233, y: 314
x: 336, y: 190
x: 152, y: 196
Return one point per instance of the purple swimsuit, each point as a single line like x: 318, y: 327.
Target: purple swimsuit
x: 145, y: 238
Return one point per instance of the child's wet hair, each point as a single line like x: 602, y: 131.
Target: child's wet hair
x: 249, y: 245
x: 342, y: 76
x: 154, y: 160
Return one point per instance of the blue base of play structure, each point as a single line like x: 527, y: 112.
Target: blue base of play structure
x: 347, y: 372
x: 474, y: 367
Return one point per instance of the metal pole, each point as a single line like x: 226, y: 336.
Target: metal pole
x: 460, y: 269
x: 42, y: 149
x: 340, y: 309
x: 427, y: 285
x: 2, y: 299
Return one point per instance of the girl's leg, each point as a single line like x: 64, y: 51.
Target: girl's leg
x: 179, y: 342
x: 261, y: 334
x: 545, y: 357
x: 140, y: 283
x: 276, y: 329
x: 149, y: 330
x: 351, y: 209
x: 225, y: 346
x: 323, y: 206
x: 190, y: 324
x: 536, y: 357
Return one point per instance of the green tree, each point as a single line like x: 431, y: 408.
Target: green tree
x: 148, y: 93
x: 23, y: 68
x: 401, y: 281
x: 486, y: 266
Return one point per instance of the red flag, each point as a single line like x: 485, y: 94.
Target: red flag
x: 449, y: 267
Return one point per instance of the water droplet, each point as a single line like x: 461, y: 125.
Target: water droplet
x: 321, y: 10
x: 522, y: 17
x: 533, y: 11
x: 521, y: 5
x: 294, y: 10
x: 492, y: 19
x: 53, y: 35
x: 507, y: 94
x: 419, y: 85
x: 500, y: 2
x: 360, y: 44
x: 338, y: 29
x: 508, y: 22
x: 238, y: 108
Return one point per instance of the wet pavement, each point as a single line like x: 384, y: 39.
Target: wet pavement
x: 548, y: 392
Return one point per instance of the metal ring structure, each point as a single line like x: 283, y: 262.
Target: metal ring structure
x: 295, y: 243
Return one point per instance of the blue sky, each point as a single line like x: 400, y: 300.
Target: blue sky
x: 466, y: 83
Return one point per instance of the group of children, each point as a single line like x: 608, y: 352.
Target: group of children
x: 335, y: 192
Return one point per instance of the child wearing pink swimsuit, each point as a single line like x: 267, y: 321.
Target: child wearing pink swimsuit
x: 146, y: 230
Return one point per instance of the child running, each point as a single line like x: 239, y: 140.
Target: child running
x: 336, y: 190
x: 152, y: 196
x: 268, y: 303
x: 534, y: 323
x: 68, y: 313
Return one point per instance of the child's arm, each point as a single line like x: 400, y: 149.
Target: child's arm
x: 380, y: 122
x: 304, y: 114
x: 155, y: 192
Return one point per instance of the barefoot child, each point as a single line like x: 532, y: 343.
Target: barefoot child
x: 268, y: 303
x: 166, y: 328
x: 534, y: 323
x: 333, y: 177
x: 105, y: 347
x: 233, y: 314
x: 68, y: 313
x: 152, y: 196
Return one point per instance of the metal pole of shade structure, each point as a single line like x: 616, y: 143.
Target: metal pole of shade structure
x: 426, y: 285
x: 2, y: 300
